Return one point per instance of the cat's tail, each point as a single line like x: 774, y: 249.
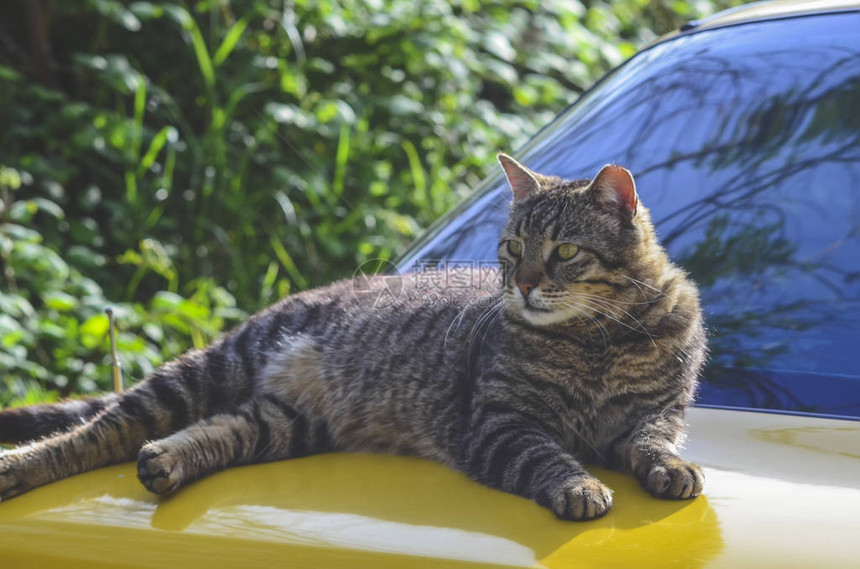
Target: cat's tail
x: 37, y: 421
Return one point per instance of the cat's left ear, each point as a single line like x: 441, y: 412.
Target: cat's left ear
x: 614, y: 189
x: 523, y: 181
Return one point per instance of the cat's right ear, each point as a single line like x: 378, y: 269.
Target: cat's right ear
x: 523, y: 181
x: 613, y: 189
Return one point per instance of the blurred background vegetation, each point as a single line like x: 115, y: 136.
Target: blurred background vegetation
x: 190, y: 162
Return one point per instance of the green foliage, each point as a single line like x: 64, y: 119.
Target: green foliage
x: 53, y: 329
x: 159, y: 148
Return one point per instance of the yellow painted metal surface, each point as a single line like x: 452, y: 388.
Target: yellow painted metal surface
x: 781, y: 492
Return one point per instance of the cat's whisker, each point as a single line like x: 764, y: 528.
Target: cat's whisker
x: 637, y: 282
x: 618, y: 302
x: 604, y: 333
x: 587, y: 328
x: 604, y: 301
x: 555, y: 296
x: 600, y: 328
x: 485, y: 318
x: 641, y: 328
x: 604, y: 311
x: 611, y: 303
x: 454, y: 323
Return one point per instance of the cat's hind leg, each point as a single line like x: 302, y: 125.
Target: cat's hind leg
x: 166, y: 402
x: 261, y: 430
x: 115, y: 435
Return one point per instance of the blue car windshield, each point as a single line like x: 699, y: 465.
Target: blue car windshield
x: 745, y: 144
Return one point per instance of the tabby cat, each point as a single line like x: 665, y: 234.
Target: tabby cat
x: 586, y: 348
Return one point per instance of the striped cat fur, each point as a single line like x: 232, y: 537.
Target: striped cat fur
x: 586, y: 348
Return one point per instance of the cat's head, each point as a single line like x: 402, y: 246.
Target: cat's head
x: 573, y: 248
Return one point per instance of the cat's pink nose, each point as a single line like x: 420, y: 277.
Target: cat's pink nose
x: 527, y: 279
x: 525, y: 288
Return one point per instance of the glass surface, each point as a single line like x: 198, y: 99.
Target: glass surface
x: 745, y: 145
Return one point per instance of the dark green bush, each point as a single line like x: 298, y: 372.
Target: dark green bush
x: 187, y: 162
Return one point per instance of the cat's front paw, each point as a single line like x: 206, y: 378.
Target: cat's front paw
x: 158, y: 469
x: 674, y: 479
x: 581, y: 498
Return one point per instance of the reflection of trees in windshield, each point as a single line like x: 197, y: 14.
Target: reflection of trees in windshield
x: 769, y: 294
x: 726, y: 253
x: 771, y: 144
x: 748, y: 155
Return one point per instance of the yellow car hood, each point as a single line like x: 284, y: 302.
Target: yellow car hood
x: 781, y: 491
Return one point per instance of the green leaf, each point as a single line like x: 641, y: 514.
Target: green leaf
x: 287, y: 262
x: 9, y: 74
x: 9, y: 177
x: 129, y: 343
x: 52, y: 330
x: 193, y: 311
x: 93, y: 330
x: 146, y: 10
x: 11, y: 332
x: 164, y: 135
x: 403, y: 105
x: 60, y: 301
x: 289, y: 114
x: 49, y: 207
x: 16, y: 306
x: 417, y: 170
x: 204, y: 61
x: 115, y: 70
x: 23, y: 211
x: 36, y: 394
x: 341, y: 159
x: 499, y: 45
x: 21, y: 233
x: 168, y: 301
x: 230, y: 41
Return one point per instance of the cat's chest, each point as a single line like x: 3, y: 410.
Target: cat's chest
x: 592, y: 418
x: 593, y: 374
x: 596, y: 398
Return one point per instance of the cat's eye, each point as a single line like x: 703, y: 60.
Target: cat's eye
x: 515, y: 248
x: 566, y: 251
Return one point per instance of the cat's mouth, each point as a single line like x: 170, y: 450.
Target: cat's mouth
x: 536, y: 313
x: 532, y: 303
x: 541, y: 315
x: 529, y: 307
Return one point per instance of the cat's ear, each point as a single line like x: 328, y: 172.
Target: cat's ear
x: 523, y: 181
x: 614, y: 189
